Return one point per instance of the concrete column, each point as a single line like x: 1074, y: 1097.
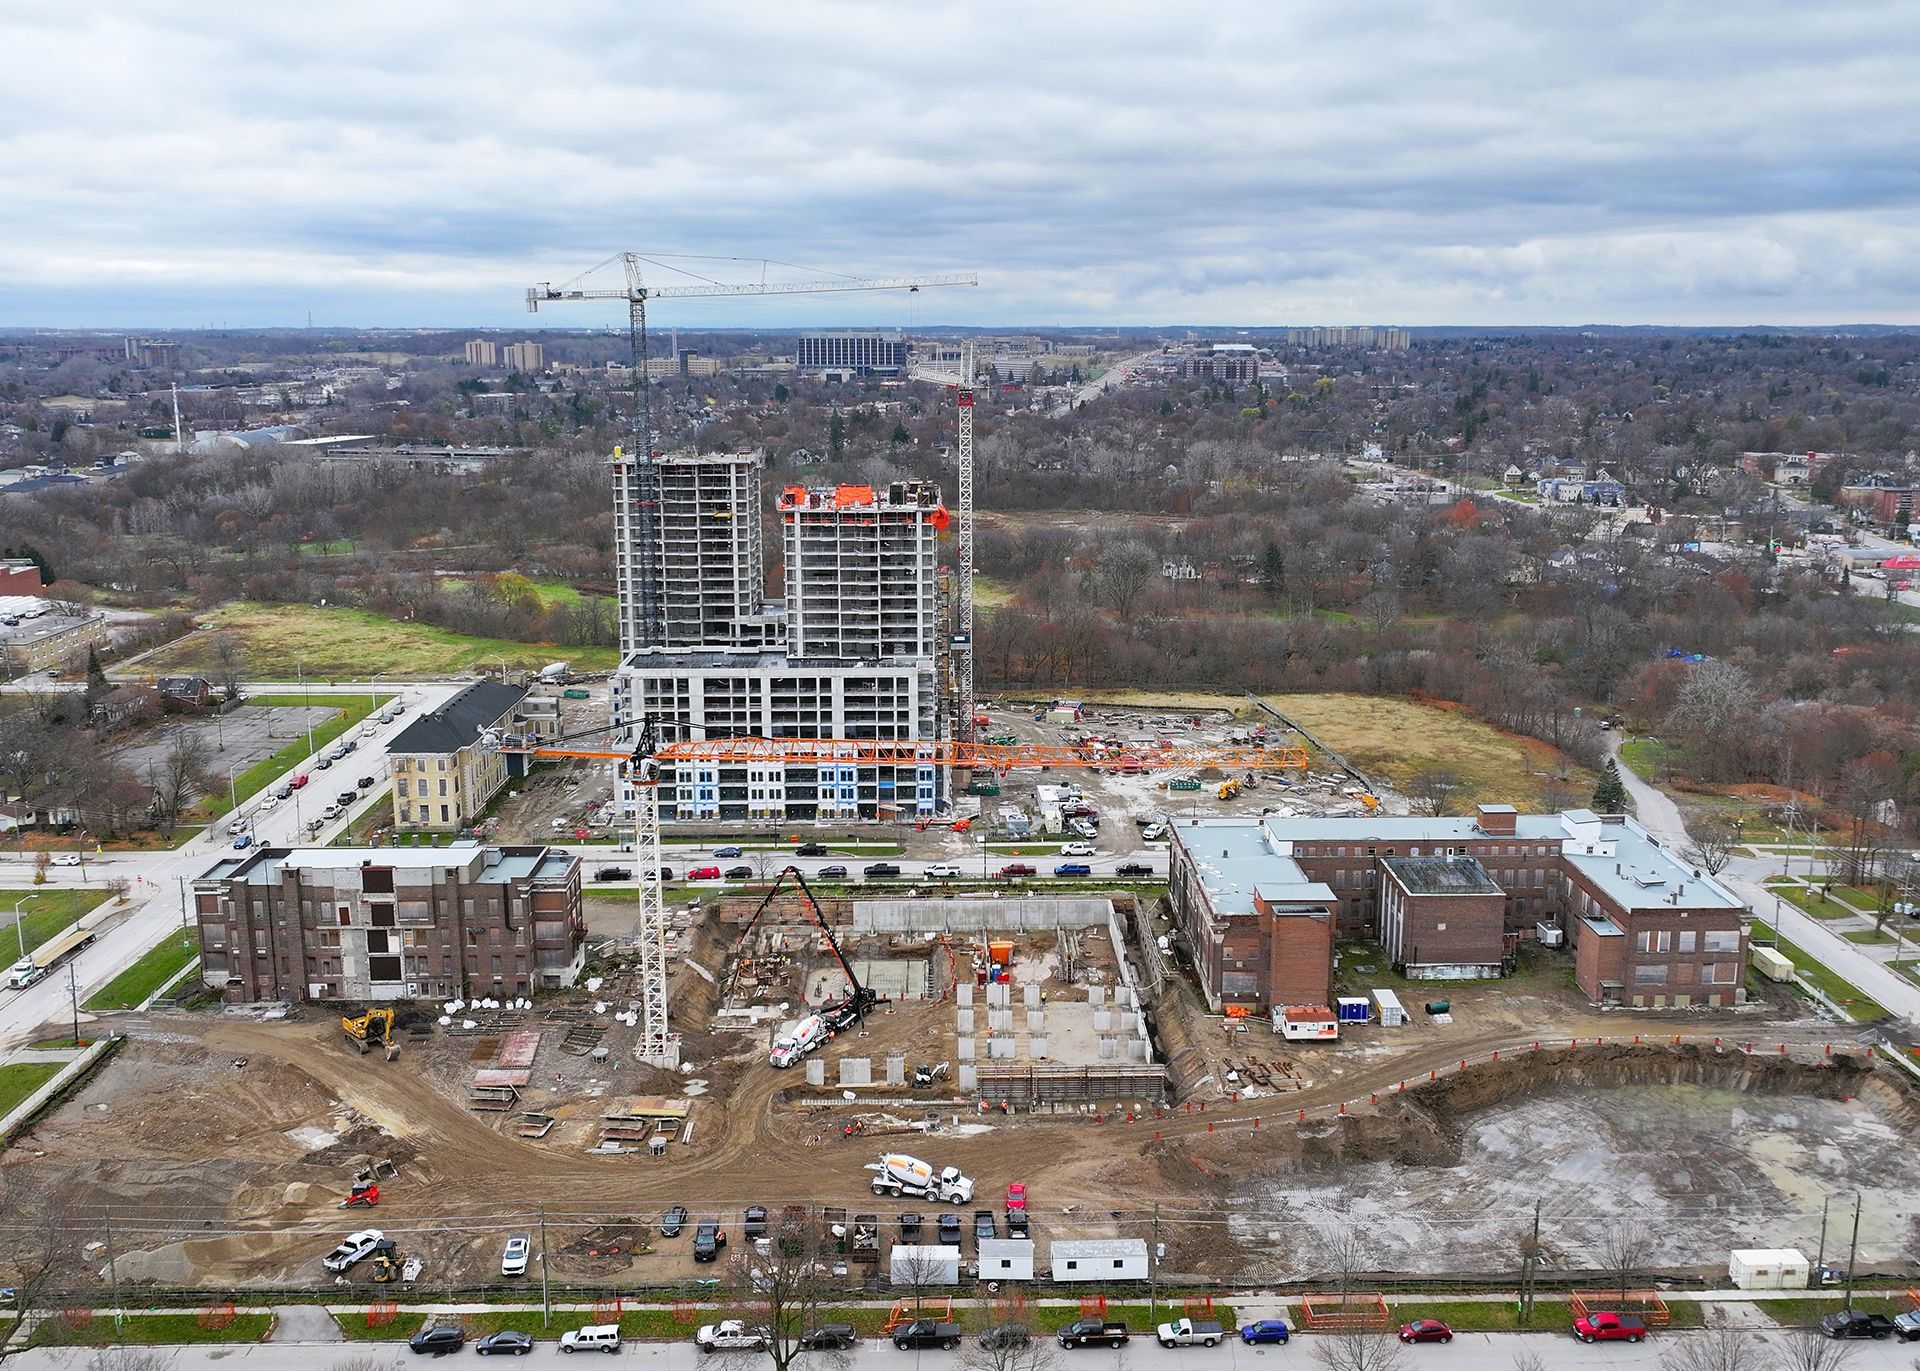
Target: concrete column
x: 1038, y: 1047
x: 963, y: 1049
x: 963, y: 1020
x: 1032, y: 997
x: 963, y: 995
x: 896, y: 1070
x: 856, y: 1071
x: 1036, y: 1020
x: 816, y: 1071
x: 1109, y: 1048
x: 1096, y: 994
x: 969, y: 1076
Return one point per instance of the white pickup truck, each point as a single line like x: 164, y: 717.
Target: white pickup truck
x: 730, y: 1335
x: 1189, y: 1333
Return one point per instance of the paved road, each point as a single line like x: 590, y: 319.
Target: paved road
x: 1120, y: 371
x: 1468, y: 1352
x: 157, y: 899
x: 1660, y: 816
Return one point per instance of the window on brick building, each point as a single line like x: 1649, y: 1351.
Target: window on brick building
x: 1727, y: 940
x: 1651, y: 975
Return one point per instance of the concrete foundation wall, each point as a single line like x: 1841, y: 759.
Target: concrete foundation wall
x: 978, y: 916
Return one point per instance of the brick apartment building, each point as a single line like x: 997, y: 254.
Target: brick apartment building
x: 1454, y: 897
x: 378, y: 923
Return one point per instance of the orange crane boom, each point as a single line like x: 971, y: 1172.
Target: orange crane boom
x: 963, y: 756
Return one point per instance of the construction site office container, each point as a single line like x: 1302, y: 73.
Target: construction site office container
x: 1392, y: 1014
x: 914, y: 1265
x: 1770, y: 963
x: 1769, y: 1268
x: 1006, y: 1259
x: 1099, y: 1259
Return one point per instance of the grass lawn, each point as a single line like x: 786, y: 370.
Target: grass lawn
x: 1858, y: 897
x: 48, y: 912
x: 1866, y: 937
x: 1395, y: 738
x: 21, y: 1080
x: 1809, y: 901
x: 1476, y: 1316
x: 1845, y: 993
x: 1645, y: 757
x: 352, y: 644
x: 1801, y: 1313
x: 246, y: 784
x: 150, y: 1329
x: 159, y: 965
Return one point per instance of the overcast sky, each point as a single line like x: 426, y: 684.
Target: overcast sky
x: 1289, y: 161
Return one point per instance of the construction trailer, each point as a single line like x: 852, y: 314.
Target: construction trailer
x: 1006, y: 1259
x: 1769, y: 1268
x: 917, y: 1265
x: 1099, y: 1259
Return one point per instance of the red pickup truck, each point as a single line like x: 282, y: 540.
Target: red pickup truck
x: 1016, y: 869
x: 1609, y: 1328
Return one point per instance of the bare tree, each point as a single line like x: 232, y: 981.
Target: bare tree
x: 1720, y: 1348
x: 130, y: 1359
x: 1359, y: 1349
x: 36, y: 1238
x: 369, y: 1362
x: 180, y: 777
x: 1344, y: 1254
x: 1121, y: 573
x: 1436, y: 787
x: 1808, y: 1349
x: 1006, y: 1345
x: 1623, y: 1251
x: 1712, y: 844
x: 918, y: 1270
x: 784, y: 1291
x: 228, y: 661
x: 1529, y: 1361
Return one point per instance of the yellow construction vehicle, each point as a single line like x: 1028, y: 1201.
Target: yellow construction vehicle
x: 373, y: 1028
x: 1229, y: 790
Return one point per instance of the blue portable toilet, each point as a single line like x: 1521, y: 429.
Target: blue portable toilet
x: 1354, y: 1009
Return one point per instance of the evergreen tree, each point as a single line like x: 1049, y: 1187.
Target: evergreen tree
x: 836, y: 437
x: 1610, y: 796
x: 98, y: 687
x: 1273, y: 571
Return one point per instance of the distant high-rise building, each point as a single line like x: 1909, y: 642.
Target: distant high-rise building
x: 852, y: 352
x: 1231, y: 363
x: 153, y: 352
x: 526, y: 357
x: 1384, y: 339
x: 483, y: 353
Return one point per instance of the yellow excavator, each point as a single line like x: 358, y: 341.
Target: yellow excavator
x: 371, y: 1029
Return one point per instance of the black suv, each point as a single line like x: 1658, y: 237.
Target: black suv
x: 950, y: 1229
x: 739, y: 873
x: 879, y: 869
x: 439, y: 1339
x: 1007, y: 1335
x: 613, y: 873
x: 674, y: 1221
x: 708, y: 1239
x: 810, y: 850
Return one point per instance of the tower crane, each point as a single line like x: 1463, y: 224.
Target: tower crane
x: 658, y: 1044
x: 960, y: 642
x: 646, y: 480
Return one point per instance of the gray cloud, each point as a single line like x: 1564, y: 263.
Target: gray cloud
x: 1121, y: 162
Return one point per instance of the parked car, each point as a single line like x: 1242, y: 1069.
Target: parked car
x: 831, y: 873
x: 299, y: 782
x: 612, y: 873
x: 347, y: 797
x: 810, y: 850
x: 726, y: 852
x: 910, y: 1227
x: 703, y: 873
x: 739, y: 873
x: 513, y: 1262
x: 1130, y: 869
x: 1076, y: 850
x: 942, y: 871
x: 269, y: 802
x: 950, y: 1229
x: 367, y: 782
x: 332, y: 811
x: 1610, y: 1327
x: 66, y: 859
x: 1017, y: 1224
x: 924, y: 1333
x: 876, y: 870
x: 438, y: 1339
x: 708, y: 1239
x: 1073, y: 869
x: 323, y: 762
x: 730, y: 1335
x: 984, y: 1225
x: 1425, y: 1330
x: 1095, y: 1333
x: 245, y: 840
x: 595, y: 1337
x: 829, y: 1337
x: 510, y: 1342
x: 1013, y: 869
x: 285, y: 792
x: 1016, y: 1195
x: 1265, y: 1330
x: 674, y: 1221
x: 1856, y: 1323
x: 357, y: 1247
x: 1906, y: 1327
x: 1006, y: 1337
x: 756, y: 1221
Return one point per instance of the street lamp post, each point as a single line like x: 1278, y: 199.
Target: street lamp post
x: 233, y: 793
x: 20, y: 927
x: 373, y: 700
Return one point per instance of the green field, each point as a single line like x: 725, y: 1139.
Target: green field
x: 277, y: 641
x: 1647, y: 758
x: 46, y: 913
x: 160, y: 964
x: 150, y: 1329
x: 351, y: 709
x: 21, y: 1079
x: 1809, y: 901
x: 1845, y: 993
x: 1803, y: 1313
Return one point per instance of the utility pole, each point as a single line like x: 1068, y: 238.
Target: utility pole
x: 546, y: 1302
x: 1530, y: 1265
x: 1853, y: 1247
x: 1820, y: 1262
x: 113, y: 1272
x: 73, y: 993
x: 1153, y: 1265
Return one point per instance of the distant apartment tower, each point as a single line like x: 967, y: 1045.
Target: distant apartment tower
x: 1384, y: 339
x: 852, y: 352
x: 1236, y: 364
x: 526, y: 357
x: 710, y: 569
x: 482, y: 352
x: 152, y: 352
x: 861, y: 570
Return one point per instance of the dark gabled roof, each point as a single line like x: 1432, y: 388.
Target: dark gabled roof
x: 459, y: 721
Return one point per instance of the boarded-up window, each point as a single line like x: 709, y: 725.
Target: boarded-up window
x: 376, y: 880
x: 383, y: 968
x: 380, y: 915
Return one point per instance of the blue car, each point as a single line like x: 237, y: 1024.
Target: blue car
x: 1264, y: 1330
x: 1073, y: 869
x: 726, y: 852
x: 245, y: 840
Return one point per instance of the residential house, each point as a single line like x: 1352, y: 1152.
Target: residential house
x: 444, y: 771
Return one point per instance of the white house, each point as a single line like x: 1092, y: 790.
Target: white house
x: 1100, y: 1259
x: 1006, y: 1259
